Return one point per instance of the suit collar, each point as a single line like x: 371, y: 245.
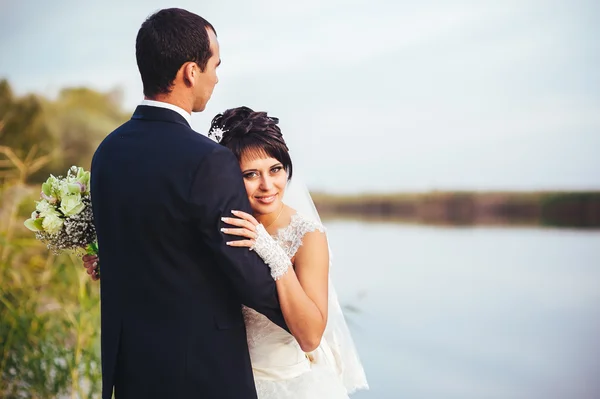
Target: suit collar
x: 151, y: 113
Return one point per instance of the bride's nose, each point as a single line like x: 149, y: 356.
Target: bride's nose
x: 266, y: 183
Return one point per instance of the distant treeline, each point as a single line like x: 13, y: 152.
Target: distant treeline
x: 41, y: 135
x: 561, y: 209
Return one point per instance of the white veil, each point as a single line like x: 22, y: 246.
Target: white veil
x: 337, y: 345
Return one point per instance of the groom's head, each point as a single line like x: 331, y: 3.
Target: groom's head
x: 177, y: 54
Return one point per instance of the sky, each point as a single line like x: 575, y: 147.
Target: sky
x: 372, y: 95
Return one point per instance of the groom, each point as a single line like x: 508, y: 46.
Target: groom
x: 172, y: 290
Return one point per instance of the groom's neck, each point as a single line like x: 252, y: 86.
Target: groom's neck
x: 172, y: 99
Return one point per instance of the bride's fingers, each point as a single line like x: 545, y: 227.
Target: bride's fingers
x: 241, y: 243
x: 240, y: 223
x: 245, y: 216
x: 240, y: 232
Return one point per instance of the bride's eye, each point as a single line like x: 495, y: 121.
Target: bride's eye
x: 250, y: 175
x: 276, y: 169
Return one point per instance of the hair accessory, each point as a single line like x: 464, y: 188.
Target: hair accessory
x: 216, y: 133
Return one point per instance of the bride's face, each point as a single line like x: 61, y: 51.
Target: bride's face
x: 265, y: 180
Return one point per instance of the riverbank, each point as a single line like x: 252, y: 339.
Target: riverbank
x: 561, y: 209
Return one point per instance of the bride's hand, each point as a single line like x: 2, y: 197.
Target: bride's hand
x: 246, y: 227
x: 90, y: 262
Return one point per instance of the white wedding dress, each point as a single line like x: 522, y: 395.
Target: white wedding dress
x: 281, y: 369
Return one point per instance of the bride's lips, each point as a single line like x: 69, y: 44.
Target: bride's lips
x: 266, y: 199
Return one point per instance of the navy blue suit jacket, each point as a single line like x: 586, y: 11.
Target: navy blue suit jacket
x: 171, y: 289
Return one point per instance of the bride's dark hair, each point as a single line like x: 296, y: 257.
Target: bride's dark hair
x: 247, y: 133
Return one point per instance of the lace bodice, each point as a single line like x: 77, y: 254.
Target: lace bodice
x: 273, y: 350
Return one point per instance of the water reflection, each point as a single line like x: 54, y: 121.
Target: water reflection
x: 472, y: 312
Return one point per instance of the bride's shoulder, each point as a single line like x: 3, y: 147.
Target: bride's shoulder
x: 300, y: 223
x: 305, y: 236
x: 297, y: 230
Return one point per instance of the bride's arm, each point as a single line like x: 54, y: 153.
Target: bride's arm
x: 303, y: 291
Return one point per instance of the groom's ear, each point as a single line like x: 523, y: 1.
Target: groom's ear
x: 190, y: 72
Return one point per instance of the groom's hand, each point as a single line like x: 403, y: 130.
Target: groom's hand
x: 90, y: 262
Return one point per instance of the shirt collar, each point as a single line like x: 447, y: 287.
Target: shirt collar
x: 160, y: 104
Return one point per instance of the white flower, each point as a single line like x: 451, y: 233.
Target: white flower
x: 71, y: 204
x: 66, y: 188
x: 52, y: 223
x: 43, y: 207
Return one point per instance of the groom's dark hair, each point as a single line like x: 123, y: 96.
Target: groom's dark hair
x: 166, y: 40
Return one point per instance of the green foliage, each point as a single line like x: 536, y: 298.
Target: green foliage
x: 69, y: 127
x: 79, y: 119
x: 22, y: 124
x: 49, y: 316
x: 49, y: 307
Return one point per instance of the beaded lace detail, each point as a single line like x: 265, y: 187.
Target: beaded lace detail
x: 290, y: 237
x: 271, y: 252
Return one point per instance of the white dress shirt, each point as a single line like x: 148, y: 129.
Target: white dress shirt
x: 160, y: 104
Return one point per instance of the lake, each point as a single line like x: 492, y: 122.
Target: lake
x: 477, y: 312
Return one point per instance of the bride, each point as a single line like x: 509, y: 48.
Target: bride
x: 317, y: 359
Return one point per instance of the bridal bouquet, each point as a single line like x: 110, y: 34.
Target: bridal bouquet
x: 63, y: 217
